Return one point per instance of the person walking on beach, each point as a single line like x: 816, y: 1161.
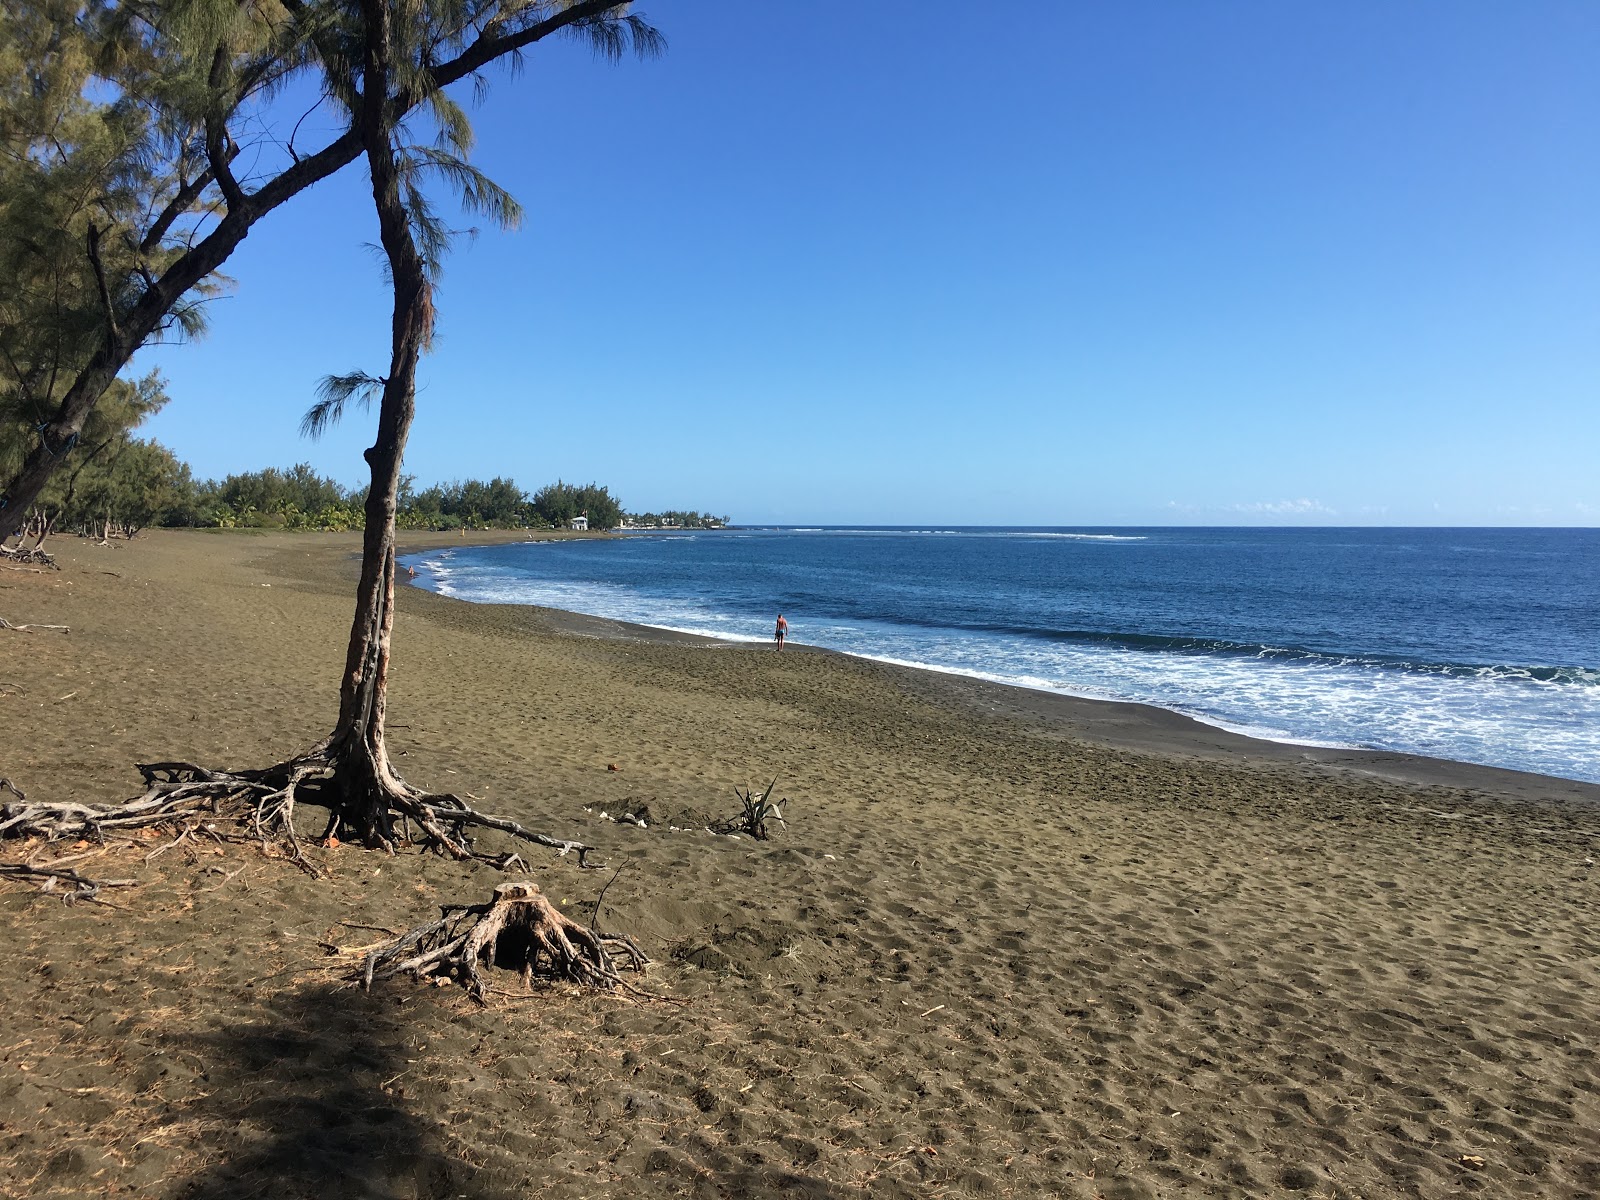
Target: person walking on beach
x: 781, y: 632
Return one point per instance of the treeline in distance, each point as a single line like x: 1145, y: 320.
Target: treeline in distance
x: 115, y: 484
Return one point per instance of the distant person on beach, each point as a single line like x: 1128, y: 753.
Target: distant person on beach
x: 781, y: 632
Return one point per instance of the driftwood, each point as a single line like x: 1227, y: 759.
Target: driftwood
x: 5, y: 624
x: 37, y: 525
x: 519, y: 930
x: 260, y: 806
x: 60, y: 881
x: 759, y: 808
x: 30, y: 557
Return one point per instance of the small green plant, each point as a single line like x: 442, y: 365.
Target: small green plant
x: 759, y: 809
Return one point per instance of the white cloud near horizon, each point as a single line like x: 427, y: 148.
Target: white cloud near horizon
x: 1262, y: 508
x: 1286, y: 508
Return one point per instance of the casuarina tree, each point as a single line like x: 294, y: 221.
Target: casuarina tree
x: 378, y: 57
x: 146, y: 199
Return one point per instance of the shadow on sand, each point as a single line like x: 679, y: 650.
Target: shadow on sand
x: 300, y: 1104
x: 301, y: 1101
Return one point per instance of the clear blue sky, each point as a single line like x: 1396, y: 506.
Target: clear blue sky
x: 1059, y: 263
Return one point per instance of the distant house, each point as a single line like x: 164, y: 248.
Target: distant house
x: 578, y: 523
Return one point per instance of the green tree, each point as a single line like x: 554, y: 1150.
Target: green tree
x: 390, y: 51
x: 275, y: 493
x: 114, y: 150
x: 141, y: 483
x: 557, y: 503
x: 191, y: 75
x: 107, y: 434
x: 384, y: 61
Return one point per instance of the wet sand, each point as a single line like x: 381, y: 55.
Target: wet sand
x: 1009, y: 944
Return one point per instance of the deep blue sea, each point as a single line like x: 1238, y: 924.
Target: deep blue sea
x: 1481, y: 645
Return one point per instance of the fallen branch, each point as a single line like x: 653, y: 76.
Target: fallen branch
x: 519, y: 930
x: 51, y: 879
x: 5, y: 624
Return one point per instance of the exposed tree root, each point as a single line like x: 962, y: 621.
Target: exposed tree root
x: 519, y: 930
x: 57, y: 881
x: 182, y: 797
x: 33, y: 556
x: 5, y: 624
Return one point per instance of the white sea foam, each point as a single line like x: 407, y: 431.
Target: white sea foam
x: 1071, y: 537
x: 721, y: 637
x: 1495, y: 717
x: 982, y: 533
x: 1038, y: 684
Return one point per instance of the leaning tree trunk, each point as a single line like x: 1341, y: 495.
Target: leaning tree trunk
x: 349, y: 771
x: 127, y: 335
x: 366, y: 783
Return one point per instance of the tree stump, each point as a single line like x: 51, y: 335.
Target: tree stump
x: 519, y: 930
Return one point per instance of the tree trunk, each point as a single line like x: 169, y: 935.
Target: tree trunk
x: 134, y: 327
x: 349, y: 771
x: 365, y: 781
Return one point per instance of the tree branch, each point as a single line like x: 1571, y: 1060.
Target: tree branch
x: 217, y: 138
x: 180, y: 204
x: 100, y: 283
x: 486, y: 49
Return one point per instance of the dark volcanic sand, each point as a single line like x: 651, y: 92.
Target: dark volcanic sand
x: 1010, y: 944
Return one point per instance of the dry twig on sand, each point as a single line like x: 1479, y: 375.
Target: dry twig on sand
x: 17, y: 554
x: 519, y: 930
x: 5, y: 624
x: 57, y: 881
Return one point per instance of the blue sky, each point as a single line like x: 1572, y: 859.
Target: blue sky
x: 1089, y: 264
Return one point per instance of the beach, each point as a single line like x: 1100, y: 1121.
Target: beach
x: 1008, y: 944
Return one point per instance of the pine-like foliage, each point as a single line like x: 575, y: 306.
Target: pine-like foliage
x: 141, y: 142
x: 436, y: 43
x: 105, y: 179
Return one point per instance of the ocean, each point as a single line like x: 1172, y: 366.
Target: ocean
x: 1478, y: 645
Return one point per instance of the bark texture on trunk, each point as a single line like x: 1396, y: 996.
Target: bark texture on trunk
x: 356, y: 747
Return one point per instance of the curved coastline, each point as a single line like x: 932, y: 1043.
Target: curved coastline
x: 1117, y: 724
x: 992, y: 914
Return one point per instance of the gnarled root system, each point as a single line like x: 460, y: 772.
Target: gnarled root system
x: 519, y: 930
x: 383, y: 812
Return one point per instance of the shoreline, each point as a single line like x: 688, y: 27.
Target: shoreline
x: 1005, y: 943
x: 1120, y: 724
